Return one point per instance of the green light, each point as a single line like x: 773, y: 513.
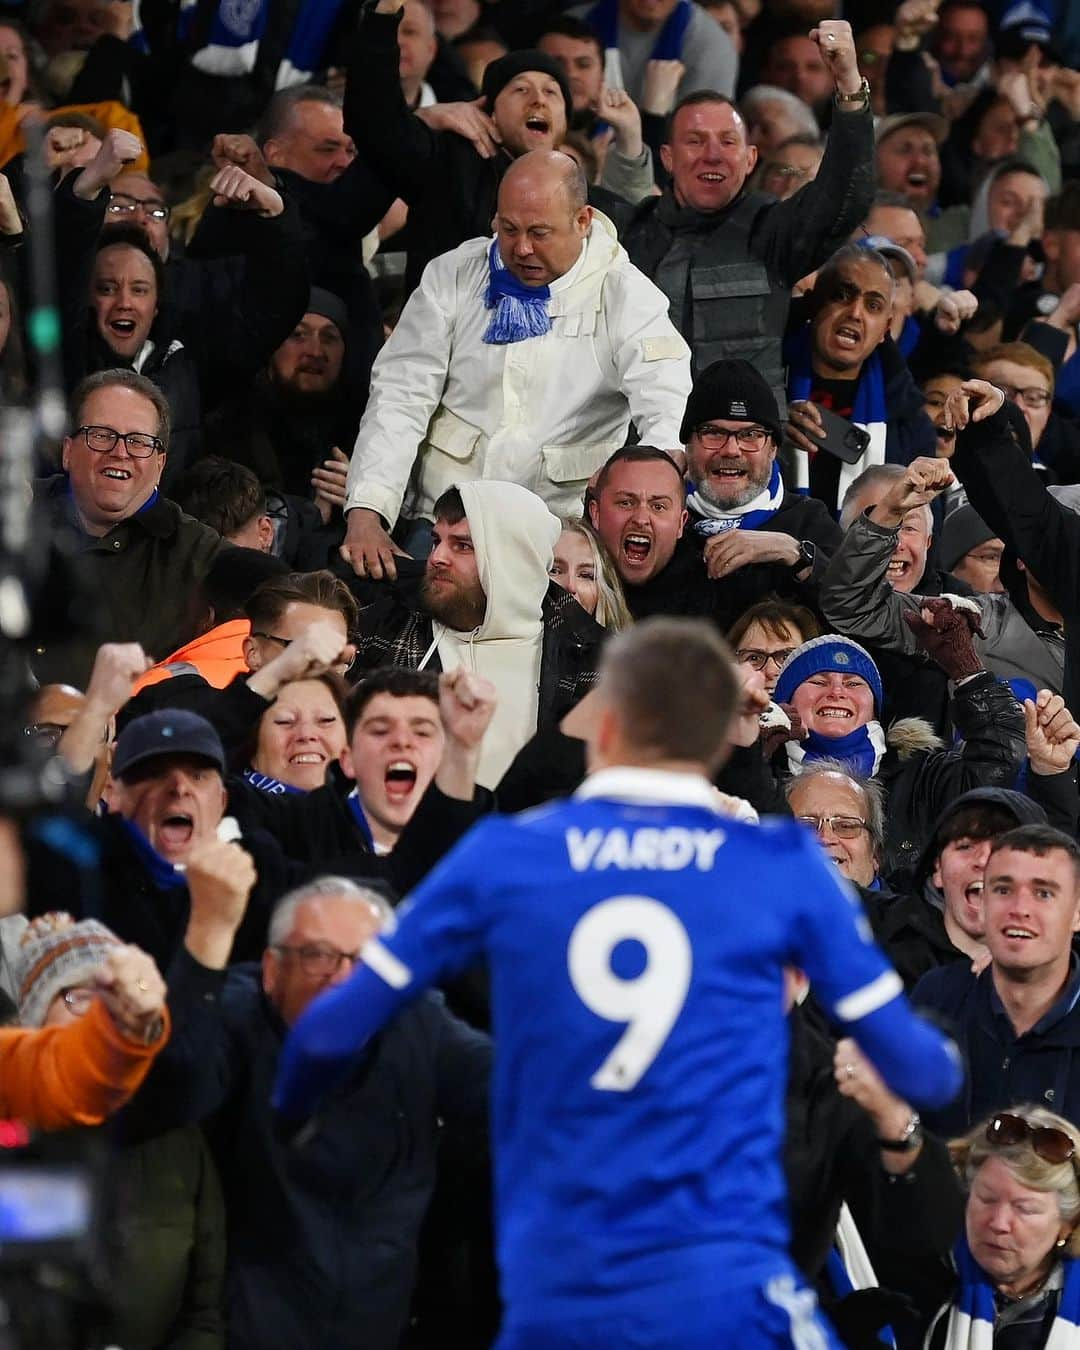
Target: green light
x: 43, y: 327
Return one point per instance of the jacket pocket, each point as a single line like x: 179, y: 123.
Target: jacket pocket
x: 575, y: 463
x: 729, y: 300
x: 452, y: 435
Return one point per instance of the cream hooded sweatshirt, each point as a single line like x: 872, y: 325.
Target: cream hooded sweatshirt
x: 514, y: 537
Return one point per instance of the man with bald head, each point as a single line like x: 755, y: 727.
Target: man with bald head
x: 523, y: 358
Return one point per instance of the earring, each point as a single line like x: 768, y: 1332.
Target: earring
x: 1061, y: 1242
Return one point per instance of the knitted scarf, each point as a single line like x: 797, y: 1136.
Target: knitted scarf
x: 232, y: 42
x: 604, y: 17
x: 864, y: 748
x: 971, y: 1317
x: 869, y: 411
x: 520, y: 311
x: 752, y: 516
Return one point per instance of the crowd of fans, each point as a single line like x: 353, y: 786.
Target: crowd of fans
x: 413, y: 348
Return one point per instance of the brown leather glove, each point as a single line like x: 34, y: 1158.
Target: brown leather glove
x: 946, y: 635
x: 772, y: 738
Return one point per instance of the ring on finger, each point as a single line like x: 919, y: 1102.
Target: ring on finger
x: 849, y: 1070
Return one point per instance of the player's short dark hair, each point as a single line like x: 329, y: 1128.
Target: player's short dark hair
x: 634, y: 454
x: 636, y: 674
x: 221, y: 493
x: 397, y: 681
x: 699, y: 96
x: 449, y: 507
x: 321, y: 588
x: 1039, y: 840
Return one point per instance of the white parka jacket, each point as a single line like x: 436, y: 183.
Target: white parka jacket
x: 545, y: 412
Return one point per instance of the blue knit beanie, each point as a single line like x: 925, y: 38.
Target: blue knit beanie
x: 824, y: 654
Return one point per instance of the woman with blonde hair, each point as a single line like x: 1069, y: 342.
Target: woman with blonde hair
x: 1019, y: 1280
x: 583, y: 566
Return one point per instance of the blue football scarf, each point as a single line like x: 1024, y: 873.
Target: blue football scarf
x: 971, y: 1317
x: 520, y: 311
x: 237, y: 29
x: 162, y: 873
x: 863, y: 748
x: 273, y: 787
x: 752, y: 516
x: 604, y: 17
x: 869, y: 411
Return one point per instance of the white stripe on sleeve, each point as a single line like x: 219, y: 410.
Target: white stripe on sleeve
x: 870, y: 997
x: 385, y: 964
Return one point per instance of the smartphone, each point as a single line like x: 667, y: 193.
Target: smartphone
x: 842, y: 438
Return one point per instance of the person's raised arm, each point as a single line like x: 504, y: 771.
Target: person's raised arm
x: 798, y: 234
x: 855, y: 596
x: 400, y: 146
x: 81, y: 1073
x: 1053, y: 738
x: 117, y: 666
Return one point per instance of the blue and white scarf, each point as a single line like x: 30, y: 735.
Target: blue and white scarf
x: 273, y: 787
x: 970, y: 1323
x: 520, y: 311
x: 356, y: 810
x: 237, y: 28
x: 757, y: 512
x: 864, y: 748
x: 604, y: 17
x: 869, y: 411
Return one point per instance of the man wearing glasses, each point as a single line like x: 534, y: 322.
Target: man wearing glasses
x: 138, y: 557
x: 322, y: 1240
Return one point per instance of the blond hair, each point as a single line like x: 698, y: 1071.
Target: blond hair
x: 611, y: 608
x: 1057, y: 1179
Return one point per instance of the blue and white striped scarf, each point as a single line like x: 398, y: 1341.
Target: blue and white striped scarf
x: 520, y: 311
x: 604, y: 17
x: 752, y: 516
x: 970, y: 1323
x: 869, y: 411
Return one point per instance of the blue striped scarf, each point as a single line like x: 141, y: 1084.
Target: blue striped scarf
x: 604, y: 17
x: 971, y: 1317
x: 520, y: 311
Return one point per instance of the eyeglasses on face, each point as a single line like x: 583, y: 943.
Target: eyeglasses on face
x: 138, y: 444
x: 48, y: 733
x: 844, y: 827
x: 1033, y: 396
x: 127, y: 206
x: 319, y: 959
x: 754, y: 656
x: 746, y: 438
x: 1048, y: 1143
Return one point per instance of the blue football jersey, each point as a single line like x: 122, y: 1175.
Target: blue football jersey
x: 636, y: 942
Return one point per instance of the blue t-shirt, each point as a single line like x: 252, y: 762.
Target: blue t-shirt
x: 636, y: 942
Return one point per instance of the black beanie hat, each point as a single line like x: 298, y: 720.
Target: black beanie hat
x: 498, y: 75
x: 964, y: 529
x: 735, y: 391
x: 329, y: 306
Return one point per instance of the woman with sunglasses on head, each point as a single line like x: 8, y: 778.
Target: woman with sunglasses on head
x: 1019, y: 1280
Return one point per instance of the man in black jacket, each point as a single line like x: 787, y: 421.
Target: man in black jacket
x: 322, y: 1240
x: 450, y: 187
x: 727, y: 258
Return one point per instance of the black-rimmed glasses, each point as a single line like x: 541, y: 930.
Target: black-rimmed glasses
x: 123, y: 205
x: 320, y: 959
x: 746, y: 438
x: 138, y: 444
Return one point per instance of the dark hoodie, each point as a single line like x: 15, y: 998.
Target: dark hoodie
x: 911, y: 927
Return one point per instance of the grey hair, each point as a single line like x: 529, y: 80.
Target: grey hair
x: 877, y: 475
x: 799, y: 112
x: 341, y: 888
x: 872, y: 791
x: 277, y: 115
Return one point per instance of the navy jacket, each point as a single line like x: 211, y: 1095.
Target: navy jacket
x: 322, y: 1232
x: 1003, y: 1069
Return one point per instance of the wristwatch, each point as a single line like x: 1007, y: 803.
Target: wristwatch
x: 861, y: 95
x: 807, y: 556
x: 910, y: 1138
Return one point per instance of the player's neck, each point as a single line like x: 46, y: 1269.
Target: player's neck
x: 625, y: 760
